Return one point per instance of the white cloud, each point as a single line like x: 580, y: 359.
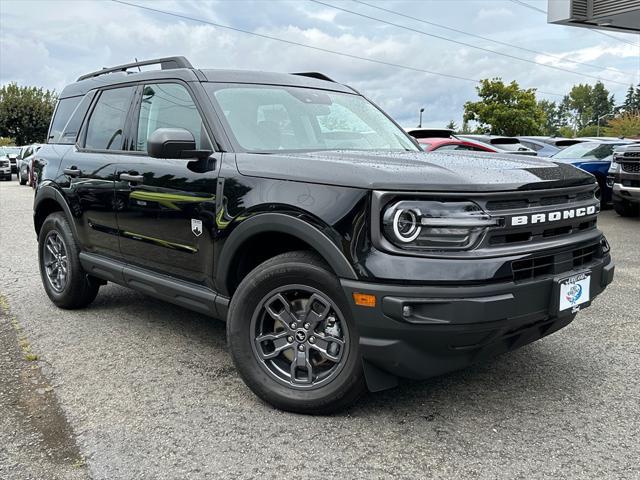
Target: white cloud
x: 493, y: 14
x: 79, y: 37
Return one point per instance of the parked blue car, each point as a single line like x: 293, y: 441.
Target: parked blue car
x: 548, y: 146
x: 593, y: 157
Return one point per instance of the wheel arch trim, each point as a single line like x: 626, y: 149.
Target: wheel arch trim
x: 48, y: 192
x: 280, y: 223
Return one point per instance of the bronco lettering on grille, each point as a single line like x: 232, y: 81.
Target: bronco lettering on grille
x: 519, y: 220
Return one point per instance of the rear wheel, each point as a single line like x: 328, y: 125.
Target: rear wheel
x: 292, y: 337
x: 63, y: 278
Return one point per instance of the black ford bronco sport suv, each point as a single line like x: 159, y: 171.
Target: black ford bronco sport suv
x: 341, y: 256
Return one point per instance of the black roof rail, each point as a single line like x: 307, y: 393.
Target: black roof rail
x: 166, y: 63
x: 316, y: 75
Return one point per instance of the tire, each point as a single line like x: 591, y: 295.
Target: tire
x: 78, y: 289
x: 336, y: 384
x: 625, y: 209
x: 23, y: 181
x: 604, y: 202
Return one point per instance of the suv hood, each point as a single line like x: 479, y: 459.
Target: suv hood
x: 384, y: 170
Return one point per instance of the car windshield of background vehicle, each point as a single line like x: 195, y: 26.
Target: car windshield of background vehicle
x: 279, y: 118
x: 587, y: 151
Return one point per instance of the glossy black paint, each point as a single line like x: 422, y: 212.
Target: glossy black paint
x: 462, y: 171
x: 152, y: 222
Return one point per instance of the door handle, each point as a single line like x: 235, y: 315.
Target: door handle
x: 73, y: 171
x: 131, y: 178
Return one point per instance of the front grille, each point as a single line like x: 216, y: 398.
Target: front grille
x: 555, y: 264
x: 536, y: 200
x: 531, y: 203
x: 631, y: 167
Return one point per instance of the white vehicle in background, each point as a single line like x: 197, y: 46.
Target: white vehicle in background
x: 24, y: 162
x: 5, y: 168
x: 10, y: 153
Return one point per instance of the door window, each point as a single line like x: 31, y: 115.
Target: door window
x: 168, y: 105
x: 105, y: 130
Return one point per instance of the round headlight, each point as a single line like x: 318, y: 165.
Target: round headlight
x: 405, y: 225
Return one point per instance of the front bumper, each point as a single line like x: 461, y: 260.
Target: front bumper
x: 623, y: 192
x: 422, y: 331
x: 5, y: 171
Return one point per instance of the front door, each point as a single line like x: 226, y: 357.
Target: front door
x: 166, y: 213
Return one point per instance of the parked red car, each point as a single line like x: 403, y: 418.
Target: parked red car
x: 431, y: 139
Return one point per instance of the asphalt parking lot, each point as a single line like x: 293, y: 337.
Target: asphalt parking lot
x: 135, y: 388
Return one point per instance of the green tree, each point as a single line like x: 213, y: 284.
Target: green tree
x: 25, y: 113
x: 564, y: 114
x: 505, y: 109
x: 566, y: 131
x: 625, y: 125
x: 629, y: 99
x: 636, y: 100
x: 552, y: 120
x: 6, y: 141
x: 452, y: 125
x: 589, y: 131
x: 601, y: 103
x: 581, y: 105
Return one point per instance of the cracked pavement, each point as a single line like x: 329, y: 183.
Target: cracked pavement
x: 147, y: 390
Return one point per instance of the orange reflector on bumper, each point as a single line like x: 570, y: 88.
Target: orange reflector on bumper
x: 364, y: 299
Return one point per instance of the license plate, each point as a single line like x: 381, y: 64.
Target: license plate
x: 574, y: 291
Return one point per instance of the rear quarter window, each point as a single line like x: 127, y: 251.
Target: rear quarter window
x: 63, y: 113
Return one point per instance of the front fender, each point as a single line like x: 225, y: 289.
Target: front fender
x: 281, y: 223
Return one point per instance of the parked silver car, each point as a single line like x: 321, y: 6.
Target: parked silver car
x: 23, y: 161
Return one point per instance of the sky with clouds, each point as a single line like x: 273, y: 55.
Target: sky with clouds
x: 50, y: 43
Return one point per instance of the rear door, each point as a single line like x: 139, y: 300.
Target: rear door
x: 166, y: 214
x: 87, y: 172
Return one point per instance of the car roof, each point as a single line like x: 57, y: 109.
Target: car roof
x: 307, y: 80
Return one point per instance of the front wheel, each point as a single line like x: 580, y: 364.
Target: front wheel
x: 292, y: 337
x: 23, y: 181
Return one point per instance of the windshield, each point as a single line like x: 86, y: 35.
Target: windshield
x: 280, y: 118
x: 587, y: 151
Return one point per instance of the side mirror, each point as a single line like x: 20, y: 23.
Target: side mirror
x: 174, y: 143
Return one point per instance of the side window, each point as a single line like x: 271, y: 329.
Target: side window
x: 62, y: 114
x: 531, y: 145
x: 105, y: 130
x: 447, y: 146
x: 72, y: 128
x: 168, y: 105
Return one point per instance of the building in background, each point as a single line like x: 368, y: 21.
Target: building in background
x: 617, y: 15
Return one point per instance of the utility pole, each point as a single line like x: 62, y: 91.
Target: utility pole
x: 420, y: 123
x: 616, y: 110
x: 600, y: 118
